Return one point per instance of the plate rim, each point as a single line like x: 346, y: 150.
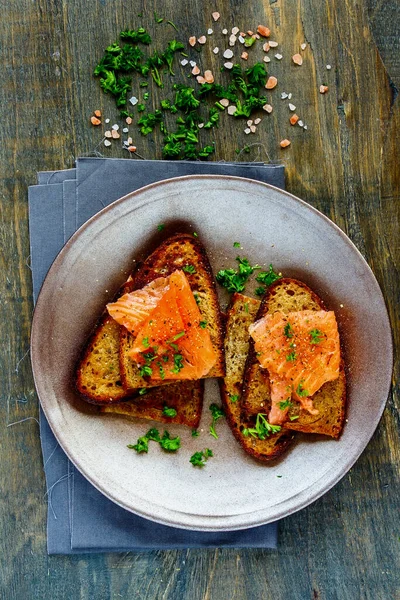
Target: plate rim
x: 310, y: 498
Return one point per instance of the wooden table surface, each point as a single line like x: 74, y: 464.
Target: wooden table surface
x: 347, y: 164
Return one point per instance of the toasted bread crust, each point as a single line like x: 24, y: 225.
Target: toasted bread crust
x: 289, y: 295
x: 186, y: 397
x: 175, y: 253
x: 241, y: 314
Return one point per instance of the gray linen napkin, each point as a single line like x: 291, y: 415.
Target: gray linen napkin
x: 81, y: 519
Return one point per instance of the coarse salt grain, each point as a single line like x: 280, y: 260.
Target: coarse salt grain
x: 271, y: 83
x: 132, y: 148
x: 284, y: 95
x: 305, y: 127
x: 224, y: 31
x: 267, y: 108
x: 329, y: 67
x: 303, y: 46
x: 300, y: 123
x: 107, y: 143
x: 297, y: 59
x: 250, y: 122
x: 192, y: 63
x: 195, y: 70
x: 228, y: 54
x: 133, y: 100
x: 293, y: 119
x: 285, y: 143
x: 216, y: 50
x: 244, y: 55
x: 208, y: 76
x: 292, y: 107
x: 215, y: 16
x: 202, y: 39
x: 263, y: 30
x: 224, y: 102
x: 107, y: 134
x: 128, y: 120
x: 192, y: 41
x: 115, y: 135
x: 266, y: 59
x: 241, y: 39
x: 200, y: 125
x: 273, y: 44
x: 253, y: 128
x: 247, y: 130
x: 278, y: 56
x: 235, y: 30
x: 232, y: 40
x: 257, y: 121
x: 228, y: 65
x: 95, y: 121
x: 231, y: 109
x: 266, y: 47
x: 125, y: 129
x: 184, y: 62
x: 200, y: 79
x: 107, y: 121
x: 290, y: 96
x: 209, y: 31
x: 323, y: 89
x: 129, y: 140
x: 115, y: 127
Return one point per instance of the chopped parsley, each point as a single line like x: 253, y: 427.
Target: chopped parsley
x: 196, y: 297
x: 195, y: 433
x: 316, y: 336
x: 157, y: 19
x: 260, y: 291
x: 178, y: 364
x: 236, y: 244
x: 203, y: 324
x: 267, y: 278
x: 293, y: 418
x: 170, y: 444
x: 178, y: 335
x: 198, y: 459
x: 217, y: 413
x: 160, y: 227
x: 195, y: 234
x: 301, y: 392
x: 246, y: 307
x: 288, y: 331
x: 234, y: 397
x: 291, y: 357
x: 234, y: 281
x: 161, y: 369
x: 285, y: 404
x: 145, y: 342
x: 262, y: 429
x: 169, y: 412
x: 146, y: 371
x: 153, y: 434
x: 189, y: 269
x: 142, y: 445
x: 142, y: 391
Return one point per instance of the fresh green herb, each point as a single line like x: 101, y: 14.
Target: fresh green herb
x: 279, y: 476
x: 142, y: 445
x: 168, y: 54
x: 178, y: 336
x: 288, y: 331
x: 246, y: 307
x: 143, y: 84
x: 148, y: 122
x: 170, y: 444
x: 189, y: 269
x: 153, y: 434
x: 234, y: 397
x: 234, y: 281
x: 316, y: 336
x: 196, y: 297
x: 146, y: 371
x: 169, y: 412
x: 172, y: 25
x: 263, y: 429
x: 178, y: 364
x: 285, y: 404
x: 301, y: 392
x: 291, y: 357
x: 140, y: 36
x: 236, y: 244
x: 260, y: 291
x: 203, y: 324
x: 161, y: 369
x: 145, y: 342
x: 198, y: 459
x: 249, y: 41
x: 157, y: 19
x: 160, y: 227
x: 217, y: 413
x: 195, y: 433
x: 142, y: 391
x: 268, y: 277
x: 294, y: 417
x: 174, y: 346
x: 257, y: 75
x: 195, y: 234
x: 146, y: 96
x: 141, y: 108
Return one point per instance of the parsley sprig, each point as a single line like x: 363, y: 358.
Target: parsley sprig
x: 217, y: 413
x: 198, y: 459
x: 234, y: 280
x: 262, y: 429
x: 166, y: 442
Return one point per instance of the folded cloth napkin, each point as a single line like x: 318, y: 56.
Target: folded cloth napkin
x: 80, y: 519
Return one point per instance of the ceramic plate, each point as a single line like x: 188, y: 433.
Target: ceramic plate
x: 233, y: 491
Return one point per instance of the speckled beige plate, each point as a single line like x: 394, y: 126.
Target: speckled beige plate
x: 233, y: 491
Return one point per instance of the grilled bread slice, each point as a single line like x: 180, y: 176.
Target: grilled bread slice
x: 186, y: 397
x: 182, y: 251
x: 241, y: 315
x: 288, y: 295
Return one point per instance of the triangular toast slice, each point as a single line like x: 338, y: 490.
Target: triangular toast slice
x: 180, y: 252
x: 241, y: 315
x: 288, y: 295
x: 186, y: 397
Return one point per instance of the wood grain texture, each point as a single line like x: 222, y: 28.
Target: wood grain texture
x: 347, y: 544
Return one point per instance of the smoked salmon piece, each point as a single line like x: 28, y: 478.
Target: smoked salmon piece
x: 301, y: 351
x: 171, y: 340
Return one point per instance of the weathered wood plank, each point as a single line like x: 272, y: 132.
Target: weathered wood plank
x: 346, y: 545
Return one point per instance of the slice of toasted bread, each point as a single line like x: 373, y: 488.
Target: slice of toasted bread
x: 288, y: 295
x: 241, y: 315
x: 186, y: 397
x: 177, y: 252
